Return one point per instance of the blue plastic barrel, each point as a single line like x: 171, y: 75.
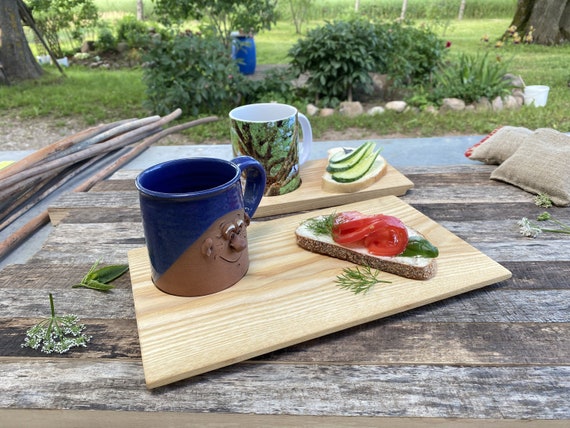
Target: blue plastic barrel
x: 243, y: 51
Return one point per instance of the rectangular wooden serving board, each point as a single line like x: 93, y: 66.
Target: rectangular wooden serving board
x: 288, y: 296
x: 310, y: 196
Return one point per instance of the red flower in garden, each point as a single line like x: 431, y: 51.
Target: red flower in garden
x: 448, y: 44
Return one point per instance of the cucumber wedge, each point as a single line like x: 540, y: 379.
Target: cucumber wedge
x: 358, y: 171
x: 355, y: 158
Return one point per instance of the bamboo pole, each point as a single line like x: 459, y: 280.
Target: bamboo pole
x: 47, y: 189
x: 38, y: 155
x: 96, y: 149
x: 104, y: 136
x: 137, y: 150
x: 16, y: 238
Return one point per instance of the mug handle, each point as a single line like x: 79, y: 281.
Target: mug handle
x: 254, y: 182
x: 307, y: 143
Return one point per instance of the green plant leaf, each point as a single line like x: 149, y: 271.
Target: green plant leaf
x: 94, y: 285
x: 109, y: 273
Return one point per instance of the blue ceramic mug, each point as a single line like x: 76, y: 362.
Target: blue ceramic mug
x: 195, y: 215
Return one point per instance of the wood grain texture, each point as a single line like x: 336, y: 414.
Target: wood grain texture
x: 296, y: 389
x: 140, y: 419
x: 288, y: 296
x: 492, y: 356
x: 308, y: 196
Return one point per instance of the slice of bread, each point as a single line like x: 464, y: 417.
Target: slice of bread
x: 377, y: 170
x: 420, y: 268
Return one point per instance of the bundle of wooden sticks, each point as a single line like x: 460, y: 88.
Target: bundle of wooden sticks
x: 103, y: 149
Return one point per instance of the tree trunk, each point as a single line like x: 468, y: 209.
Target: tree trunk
x: 550, y: 20
x: 140, y: 10
x: 16, y: 59
x: 461, y: 10
x: 404, y: 7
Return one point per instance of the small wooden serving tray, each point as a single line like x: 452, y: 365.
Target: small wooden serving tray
x: 288, y: 296
x: 310, y: 196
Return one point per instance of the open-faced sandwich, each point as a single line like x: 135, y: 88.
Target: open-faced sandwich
x: 353, y: 169
x: 378, y: 241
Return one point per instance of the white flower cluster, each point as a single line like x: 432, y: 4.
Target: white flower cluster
x: 56, y: 334
x: 528, y: 229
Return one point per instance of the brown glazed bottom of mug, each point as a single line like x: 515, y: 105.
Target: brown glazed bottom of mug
x: 216, y: 261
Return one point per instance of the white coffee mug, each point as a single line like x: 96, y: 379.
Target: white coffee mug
x: 269, y: 132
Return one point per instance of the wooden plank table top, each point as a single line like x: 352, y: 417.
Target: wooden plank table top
x: 500, y: 354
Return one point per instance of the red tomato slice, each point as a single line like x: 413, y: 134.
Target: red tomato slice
x: 351, y: 227
x: 389, y: 240
x: 383, y: 235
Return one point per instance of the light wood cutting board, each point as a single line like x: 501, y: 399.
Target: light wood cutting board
x: 288, y: 296
x: 310, y: 196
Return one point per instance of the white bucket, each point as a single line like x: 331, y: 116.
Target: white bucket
x: 63, y: 61
x: 536, y: 94
x: 44, y: 59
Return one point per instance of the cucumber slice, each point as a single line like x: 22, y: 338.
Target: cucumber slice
x: 345, y: 157
x: 358, y: 171
x: 340, y: 156
x: 357, y: 156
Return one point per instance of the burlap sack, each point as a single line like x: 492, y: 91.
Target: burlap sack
x: 540, y: 165
x: 499, y: 145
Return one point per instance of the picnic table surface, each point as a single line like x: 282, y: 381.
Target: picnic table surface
x: 499, y: 354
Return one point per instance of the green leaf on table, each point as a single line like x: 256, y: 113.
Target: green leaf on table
x: 99, y: 279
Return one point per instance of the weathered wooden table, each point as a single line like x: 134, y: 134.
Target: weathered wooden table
x: 498, y: 354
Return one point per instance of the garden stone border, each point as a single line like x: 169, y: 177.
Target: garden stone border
x: 513, y: 101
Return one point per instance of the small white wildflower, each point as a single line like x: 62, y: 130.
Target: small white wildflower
x: 528, y: 229
x: 56, y: 334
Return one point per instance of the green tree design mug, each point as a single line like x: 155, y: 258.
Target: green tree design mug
x: 269, y: 132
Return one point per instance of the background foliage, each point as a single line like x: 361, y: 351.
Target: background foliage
x: 95, y: 95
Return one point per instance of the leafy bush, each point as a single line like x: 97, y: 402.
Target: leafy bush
x: 337, y: 57
x: 277, y: 85
x: 222, y: 16
x: 408, y: 55
x: 471, y: 78
x: 132, y: 31
x: 191, y: 72
x: 53, y: 17
x: 106, y: 41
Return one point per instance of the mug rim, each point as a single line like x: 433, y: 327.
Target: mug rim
x: 233, y: 112
x: 193, y: 194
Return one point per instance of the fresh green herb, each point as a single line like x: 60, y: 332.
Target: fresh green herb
x: 99, y: 279
x: 322, y: 225
x: 359, y: 279
x: 57, y: 333
x: 543, y: 200
x: 420, y: 246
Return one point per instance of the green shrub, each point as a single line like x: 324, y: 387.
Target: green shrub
x: 55, y: 17
x: 133, y: 32
x: 472, y: 77
x: 276, y: 85
x: 191, y: 72
x: 407, y: 54
x: 106, y: 41
x: 337, y: 57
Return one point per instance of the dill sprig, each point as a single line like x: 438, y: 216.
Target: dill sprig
x: 543, y: 200
x: 359, y: 279
x: 322, y: 225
